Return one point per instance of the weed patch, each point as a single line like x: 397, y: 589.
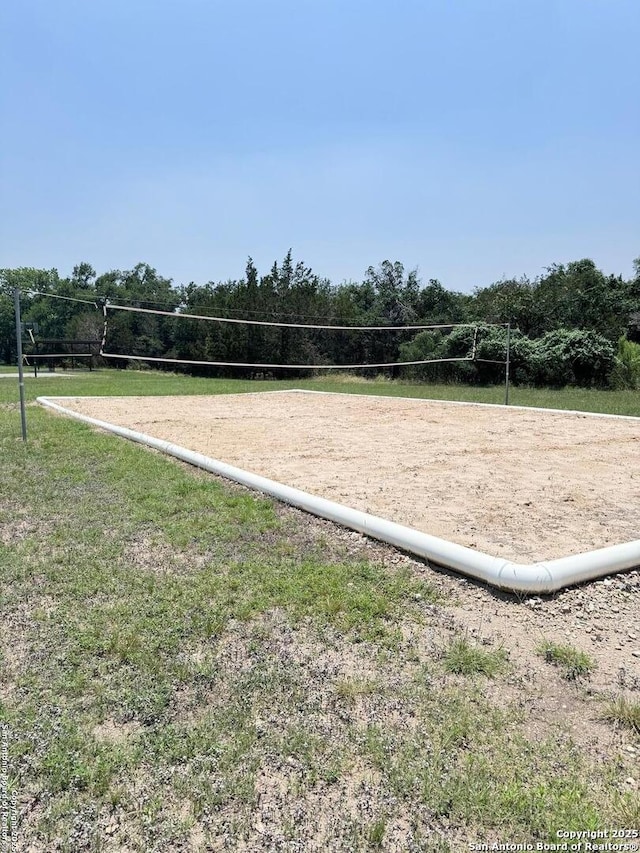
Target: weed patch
x: 624, y: 713
x: 572, y: 663
x: 465, y: 658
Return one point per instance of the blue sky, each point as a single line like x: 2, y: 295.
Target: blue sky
x: 473, y: 139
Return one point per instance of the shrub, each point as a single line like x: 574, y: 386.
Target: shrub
x: 523, y: 356
x: 434, y: 345
x: 562, y: 357
x: 577, y: 357
x: 626, y: 373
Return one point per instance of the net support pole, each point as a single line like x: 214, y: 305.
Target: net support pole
x: 35, y: 347
x: 507, y: 365
x: 23, y: 414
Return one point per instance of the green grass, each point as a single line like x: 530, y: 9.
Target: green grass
x: 175, y: 652
x: 572, y: 663
x: 625, y: 713
x: 376, y: 833
x: 135, y: 382
x: 465, y: 658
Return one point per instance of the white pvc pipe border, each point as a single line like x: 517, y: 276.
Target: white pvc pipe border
x: 542, y: 577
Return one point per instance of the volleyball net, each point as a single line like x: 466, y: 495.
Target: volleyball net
x: 202, y: 340
x: 276, y: 347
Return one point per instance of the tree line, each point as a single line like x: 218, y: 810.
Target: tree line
x: 572, y: 325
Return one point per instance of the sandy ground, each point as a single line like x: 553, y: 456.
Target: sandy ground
x: 522, y: 484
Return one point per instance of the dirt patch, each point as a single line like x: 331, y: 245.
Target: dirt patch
x: 111, y: 731
x: 15, y: 531
x: 151, y: 554
x: 17, y: 525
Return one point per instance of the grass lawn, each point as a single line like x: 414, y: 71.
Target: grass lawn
x: 134, y: 382
x: 188, y: 666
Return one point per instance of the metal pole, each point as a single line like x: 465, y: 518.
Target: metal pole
x: 23, y: 414
x: 507, y: 365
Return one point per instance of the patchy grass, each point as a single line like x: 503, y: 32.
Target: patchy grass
x: 376, y: 833
x: 573, y: 663
x: 185, y: 664
x: 622, y: 712
x: 465, y: 658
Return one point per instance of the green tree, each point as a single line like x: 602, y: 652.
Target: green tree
x: 83, y: 277
x: 139, y: 334
x: 394, y: 304
x: 511, y: 301
x: 580, y: 296
x: 395, y: 294
x: 435, y: 304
